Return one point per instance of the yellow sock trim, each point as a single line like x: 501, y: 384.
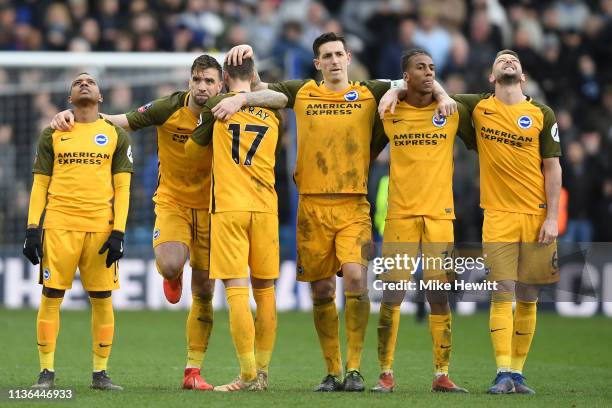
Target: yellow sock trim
x: 242, y: 329
x: 326, y: 322
x: 199, y: 327
x: 47, y: 328
x: 265, y: 326
x: 501, y: 328
x: 102, y: 330
x: 357, y: 314
x: 388, y: 326
x: 524, y: 330
x: 440, y: 329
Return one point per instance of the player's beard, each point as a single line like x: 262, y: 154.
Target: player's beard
x: 200, y: 100
x: 508, y: 79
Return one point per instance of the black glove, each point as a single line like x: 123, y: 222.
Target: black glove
x: 114, y: 245
x: 32, y: 247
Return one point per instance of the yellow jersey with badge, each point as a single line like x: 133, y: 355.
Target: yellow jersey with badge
x: 81, y: 163
x: 244, y: 156
x: 512, y: 140
x: 421, y: 159
x: 180, y: 181
x: 334, y: 132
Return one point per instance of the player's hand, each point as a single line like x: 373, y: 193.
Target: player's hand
x: 32, y: 247
x: 446, y: 107
x: 236, y: 54
x: 228, y: 106
x: 389, y: 101
x: 548, y: 231
x: 63, y: 121
x: 114, y: 245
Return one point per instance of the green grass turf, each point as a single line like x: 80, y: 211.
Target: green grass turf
x: 569, y: 364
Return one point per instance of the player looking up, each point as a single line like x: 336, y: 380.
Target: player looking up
x: 77, y: 174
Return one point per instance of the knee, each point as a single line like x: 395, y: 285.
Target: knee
x: 436, y: 297
x: 170, y: 267
x: 324, y: 290
x: 53, y: 293
x: 100, y: 294
x: 203, y: 289
x: 527, y: 293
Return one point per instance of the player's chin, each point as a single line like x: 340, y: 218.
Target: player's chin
x: 200, y: 100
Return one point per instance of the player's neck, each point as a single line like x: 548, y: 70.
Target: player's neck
x: 336, y: 86
x: 238, y: 86
x: 86, y: 114
x: 418, y: 100
x: 193, y: 106
x: 509, y: 94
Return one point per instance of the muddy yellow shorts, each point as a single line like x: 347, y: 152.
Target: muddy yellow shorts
x: 175, y: 223
x: 511, y: 250
x: 239, y: 240
x: 331, y: 231
x: 64, y: 251
x: 403, y: 237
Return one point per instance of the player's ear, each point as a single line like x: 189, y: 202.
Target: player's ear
x: 349, y: 57
x: 100, y: 98
x: 523, y: 79
x: 317, y: 64
x: 406, y: 76
x: 491, y: 78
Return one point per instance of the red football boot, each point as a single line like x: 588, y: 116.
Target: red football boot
x: 173, y: 289
x: 193, y: 380
x: 444, y: 384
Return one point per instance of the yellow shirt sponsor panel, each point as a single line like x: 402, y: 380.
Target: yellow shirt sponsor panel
x: 244, y: 155
x: 421, y: 163
x: 180, y: 181
x: 334, y: 131
x: 81, y: 163
x: 512, y: 140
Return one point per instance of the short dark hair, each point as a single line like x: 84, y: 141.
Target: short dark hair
x: 507, y: 51
x: 325, y: 38
x: 204, y: 62
x: 243, y: 71
x: 411, y: 53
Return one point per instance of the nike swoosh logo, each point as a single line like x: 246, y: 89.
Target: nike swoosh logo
x: 489, y: 112
x: 63, y: 139
x: 494, y: 330
x: 203, y: 320
x: 520, y: 334
x: 445, y: 347
x: 105, y: 345
x: 179, y: 129
x: 41, y: 345
x: 397, y: 120
x: 314, y: 96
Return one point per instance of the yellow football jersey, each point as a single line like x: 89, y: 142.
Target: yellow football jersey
x: 421, y: 162
x: 180, y: 181
x: 244, y: 156
x: 81, y: 164
x: 512, y: 140
x: 334, y: 132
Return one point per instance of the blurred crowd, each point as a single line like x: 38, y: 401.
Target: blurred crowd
x: 565, y: 47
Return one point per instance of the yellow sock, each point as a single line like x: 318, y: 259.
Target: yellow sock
x: 524, y: 329
x: 325, y: 317
x: 500, y: 326
x: 102, y: 330
x: 242, y: 329
x: 388, y: 326
x: 47, y: 328
x: 199, y: 326
x: 357, y: 313
x: 265, y: 326
x: 440, y: 329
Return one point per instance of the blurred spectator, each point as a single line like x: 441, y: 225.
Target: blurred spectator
x: 432, y: 37
x: 389, y: 59
x: 289, y: 54
x: 580, y: 174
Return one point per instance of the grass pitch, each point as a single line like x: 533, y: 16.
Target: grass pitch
x: 569, y: 364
